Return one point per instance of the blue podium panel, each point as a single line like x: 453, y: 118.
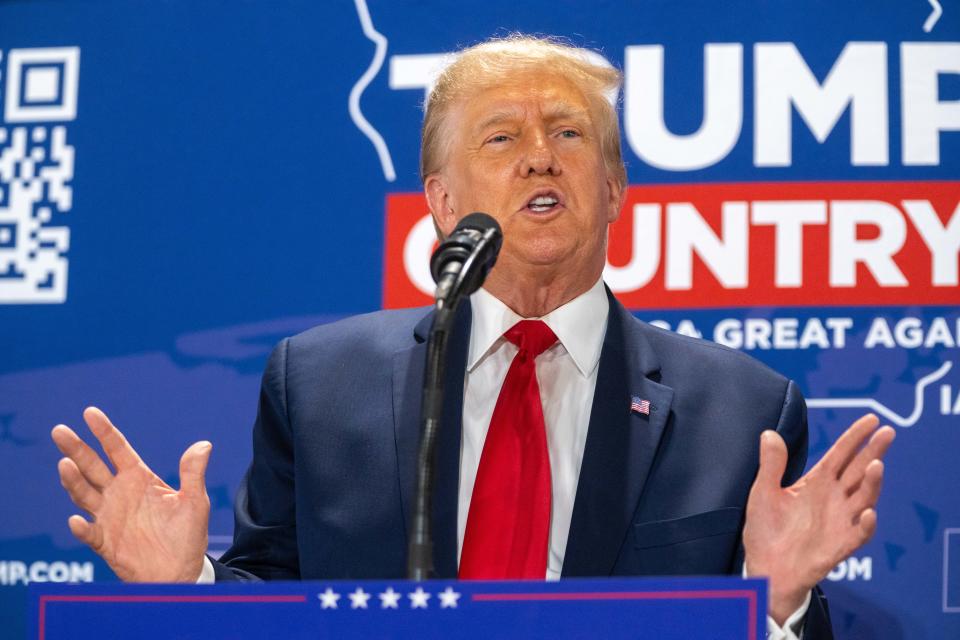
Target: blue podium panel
x: 718, y: 608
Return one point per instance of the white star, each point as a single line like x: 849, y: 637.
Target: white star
x: 418, y: 599
x: 448, y: 598
x: 328, y: 599
x: 389, y: 599
x: 358, y: 599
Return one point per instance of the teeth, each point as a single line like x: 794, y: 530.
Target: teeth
x: 543, y: 201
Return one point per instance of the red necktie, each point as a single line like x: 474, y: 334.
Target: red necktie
x: 508, y: 525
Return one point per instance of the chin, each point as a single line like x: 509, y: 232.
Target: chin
x: 543, y: 254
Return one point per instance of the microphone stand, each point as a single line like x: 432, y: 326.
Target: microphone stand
x: 450, y: 290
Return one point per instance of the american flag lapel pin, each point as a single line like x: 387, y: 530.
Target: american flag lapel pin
x: 639, y: 405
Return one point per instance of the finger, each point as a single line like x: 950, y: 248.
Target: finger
x: 88, y: 462
x: 869, y: 492
x: 875, y: 449
x: 193, y: 467
x: 836, y: 459
x: 773, y: 460
x: 868, y: 525
x: 114, y: 444
x: 86, y: 532
x: 80, y: 491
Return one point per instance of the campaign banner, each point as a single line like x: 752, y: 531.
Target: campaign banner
x: 720, y: 608
x: 185, y: 183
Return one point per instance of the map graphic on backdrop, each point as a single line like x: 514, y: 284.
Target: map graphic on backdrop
x: 243, y: 173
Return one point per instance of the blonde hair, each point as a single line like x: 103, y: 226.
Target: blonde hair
x: 494, y: 61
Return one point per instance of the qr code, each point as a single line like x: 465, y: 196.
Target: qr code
x: 36, y: 169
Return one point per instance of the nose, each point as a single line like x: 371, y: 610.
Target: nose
x: 540, y: 158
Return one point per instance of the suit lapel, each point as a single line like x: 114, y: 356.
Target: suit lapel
x: 620, y: 449
x: 408, y: 372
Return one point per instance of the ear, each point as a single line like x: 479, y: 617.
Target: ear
x: 617, y: 195
x: 438, y: 199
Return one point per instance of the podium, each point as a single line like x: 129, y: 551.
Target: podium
x: 721, y: 608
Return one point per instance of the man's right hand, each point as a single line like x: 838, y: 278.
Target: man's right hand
x: 144, y: 529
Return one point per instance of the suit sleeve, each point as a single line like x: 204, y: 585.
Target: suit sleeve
x: 792, y: 426
x: 265, y: 532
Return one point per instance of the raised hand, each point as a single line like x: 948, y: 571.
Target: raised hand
x: 798, y: 534
x: 146, y: 531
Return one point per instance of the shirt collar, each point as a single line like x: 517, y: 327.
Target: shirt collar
x: 579, y: 326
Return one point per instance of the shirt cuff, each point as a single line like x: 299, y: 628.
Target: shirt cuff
x: 793, y: 627
x: 208, y: 577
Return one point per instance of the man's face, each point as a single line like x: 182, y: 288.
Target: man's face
x: 528, y: 153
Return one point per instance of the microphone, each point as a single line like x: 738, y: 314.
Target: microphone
x: 459, y: 266
x: 462, y: 261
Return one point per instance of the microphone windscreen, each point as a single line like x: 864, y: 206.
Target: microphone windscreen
x: 479, y: 221
x: 460, y: 244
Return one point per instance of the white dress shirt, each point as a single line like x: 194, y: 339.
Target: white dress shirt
x: 567, y: 373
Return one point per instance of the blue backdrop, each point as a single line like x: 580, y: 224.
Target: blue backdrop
x: 183, y: 183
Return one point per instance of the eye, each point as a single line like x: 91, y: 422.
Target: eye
x: 500, y: 137
x: 569, y: 133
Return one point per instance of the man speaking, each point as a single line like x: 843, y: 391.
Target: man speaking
x: 576, y: 440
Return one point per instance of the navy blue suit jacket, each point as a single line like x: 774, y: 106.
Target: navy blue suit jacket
x: 331, y: 486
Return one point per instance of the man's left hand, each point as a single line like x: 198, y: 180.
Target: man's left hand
x: 796, y: 535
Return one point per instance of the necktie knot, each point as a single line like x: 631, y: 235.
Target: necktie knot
x: 532, y: 336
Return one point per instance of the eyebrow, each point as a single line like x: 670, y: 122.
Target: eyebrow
x: 563, y: 110
x: 498, y: 117
x: 554, y: 111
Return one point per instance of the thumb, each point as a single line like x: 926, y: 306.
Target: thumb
x: 193, y: 466
x: 773, y: 460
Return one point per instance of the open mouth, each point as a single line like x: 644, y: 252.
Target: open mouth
x: 543, y: 203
